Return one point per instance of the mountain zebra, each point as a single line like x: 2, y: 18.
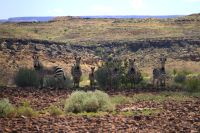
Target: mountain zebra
x: 159, y: 74
x: 92, y: 78
x: 56, y: 72
x: 76, y: 71
x: 134, y: 75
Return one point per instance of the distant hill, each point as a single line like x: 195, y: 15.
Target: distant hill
x: 46, y: 19
x: 3, y: 20
x: 132, y: 16
x: 28, y: 19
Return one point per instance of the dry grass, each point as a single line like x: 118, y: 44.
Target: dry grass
x: 94, y: 30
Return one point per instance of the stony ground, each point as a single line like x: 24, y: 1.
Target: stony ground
x: 176, y: 116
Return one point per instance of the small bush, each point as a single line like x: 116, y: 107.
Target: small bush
x: 27, y: 78
x: 6, y: 108
x: 180, y: 78
x: 55, y: 111
x: 102, y: 77
x: 193, y: 85
x: 81, y: 101
x: 26, y: 110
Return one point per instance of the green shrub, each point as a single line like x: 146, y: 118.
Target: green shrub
x: 180, y: 78
x: 27, y: 78
x: 6, y: 108
x: 55, y: 111
x: 81, y: 101
x: 193, y: 85
x: 102, y: 77
x: 55, y: 83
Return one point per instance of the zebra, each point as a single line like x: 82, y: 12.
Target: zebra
x: 92, y: 78
x: 56, y: 71
x: 76, y: 71
x: 134, y: 75
x: 159, y: 74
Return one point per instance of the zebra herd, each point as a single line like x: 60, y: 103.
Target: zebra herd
x: 133, y: 74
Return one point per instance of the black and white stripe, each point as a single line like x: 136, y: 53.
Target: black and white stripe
x: 159, y: 74
x: 56, y: 72
x: 76, y: 72
x: 134, y: 75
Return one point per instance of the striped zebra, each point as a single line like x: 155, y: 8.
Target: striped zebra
x: 76, y: 71
x: 92, y: 78
x: 56, y: 72
x: 134, y: 76
x: 159, y: 74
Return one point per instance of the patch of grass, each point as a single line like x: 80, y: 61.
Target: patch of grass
x: 89, y: 114
x: 6, y: 108
x: 120, y: 99
x: 161, y: 97
x: 145, y: 112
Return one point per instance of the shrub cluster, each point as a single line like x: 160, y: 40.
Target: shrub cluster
x: 81, y: 101
x: 26, y: 77
x: 103, y: 76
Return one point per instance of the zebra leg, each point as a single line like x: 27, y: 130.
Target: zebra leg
x: 154, y: 82
x: 41, y: 83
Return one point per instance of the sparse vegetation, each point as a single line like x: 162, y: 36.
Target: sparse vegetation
x: 26, y: 110
x: 81, y: 101
x: 160, y: 97
x: 120, y: 99
x: 26, y: 78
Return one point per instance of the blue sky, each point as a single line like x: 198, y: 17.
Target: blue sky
x: 19, y: 8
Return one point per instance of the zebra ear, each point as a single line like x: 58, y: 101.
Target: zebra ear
x: 134, y: 60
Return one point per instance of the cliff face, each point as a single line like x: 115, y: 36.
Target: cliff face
x: 16, y: 53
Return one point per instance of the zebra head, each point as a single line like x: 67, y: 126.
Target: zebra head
x: 78, y: 60
x: 132, y: 65
x: 92, y: 69
x: 132, y: 62
x: 162, y: 61
x: 36, y: 63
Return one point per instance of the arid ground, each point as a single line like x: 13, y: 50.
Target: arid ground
x: 158, y: 112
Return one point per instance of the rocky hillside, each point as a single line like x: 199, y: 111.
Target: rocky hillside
x: 16, y: 53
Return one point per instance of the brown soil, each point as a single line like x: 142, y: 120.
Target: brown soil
x: 177, y: 116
